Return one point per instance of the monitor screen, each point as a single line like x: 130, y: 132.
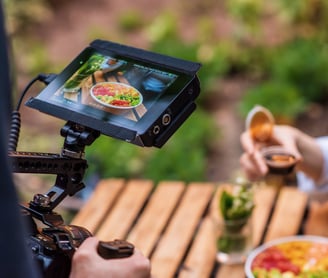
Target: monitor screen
x: 121, y: 93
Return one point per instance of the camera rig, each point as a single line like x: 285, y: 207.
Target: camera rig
x: 168, y: 86
x: 54, y: 245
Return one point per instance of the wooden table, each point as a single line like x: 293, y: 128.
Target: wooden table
x: 171, y: 222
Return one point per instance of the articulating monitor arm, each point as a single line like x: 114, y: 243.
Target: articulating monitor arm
x: 69, y: 166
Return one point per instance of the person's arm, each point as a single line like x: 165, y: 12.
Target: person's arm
x: 312, y: 157
x: 87, y: 263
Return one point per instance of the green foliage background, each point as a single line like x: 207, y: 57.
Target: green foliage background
x: 287, y: 76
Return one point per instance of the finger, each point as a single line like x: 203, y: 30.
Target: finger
x: 248, y: 166
x: 260, y: 163
x: 86, y: 249
x: 247, y: 142
x: 251, y: 175
x: 253, y: 166
x: 90, y: 243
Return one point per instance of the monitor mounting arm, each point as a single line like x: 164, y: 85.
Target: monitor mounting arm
x: 69, y: 166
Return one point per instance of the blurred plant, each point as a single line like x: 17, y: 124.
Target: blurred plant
x: 113, y: 158
x: 304, y: 18
x: 253, y: 62
x: 184, y: 157
x: 163, y: 26
x: 108, y: 157
x: 196, y: 7
x: 282, y: 99
x: 303, y: 63
x: 302, y: 11
x: 247, y: 15
x: 165, y: 39
x: 295, y: 76
x: 130, y: 20
x: 34, y: 61
x: 24, y: 14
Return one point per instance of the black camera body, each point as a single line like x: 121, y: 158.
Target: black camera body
x: 53, y: 247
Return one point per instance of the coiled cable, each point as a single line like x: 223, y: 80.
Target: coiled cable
x: 16, y: 117
x: 14, y: 131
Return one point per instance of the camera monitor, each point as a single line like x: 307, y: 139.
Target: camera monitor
x: 124, y: 92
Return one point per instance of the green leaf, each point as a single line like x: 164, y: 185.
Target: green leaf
x: 225, y: 203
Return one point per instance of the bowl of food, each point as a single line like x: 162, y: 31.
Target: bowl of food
x: 278, y: 159
x: 116, y: 95
x: 294, y: 256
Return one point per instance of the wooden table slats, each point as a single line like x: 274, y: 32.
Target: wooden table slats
x: 201, y: 257
x: 118, y: 222
x: 92, y: 213
x: 148, y: 229
x: 291, y: 205
x: 174, y: 242
x: 264, y: 198
x: 231, y: 271
x: 172, y: 222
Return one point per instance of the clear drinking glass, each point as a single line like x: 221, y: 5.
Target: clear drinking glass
x: 233, y: 240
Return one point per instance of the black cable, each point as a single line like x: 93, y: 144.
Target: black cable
x: 14, y: 131
x: 45, y: 78
x: 19, y: 103
x: 15, y: 116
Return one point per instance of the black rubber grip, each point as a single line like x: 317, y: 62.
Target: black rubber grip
x: 115, y: 249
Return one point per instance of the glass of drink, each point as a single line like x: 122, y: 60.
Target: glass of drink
x: 233, y: 240
x: 233, y: 223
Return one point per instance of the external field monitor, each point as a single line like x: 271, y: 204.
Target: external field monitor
x: 124, y: 92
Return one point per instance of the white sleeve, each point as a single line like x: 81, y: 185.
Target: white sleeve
x: 307, y: 184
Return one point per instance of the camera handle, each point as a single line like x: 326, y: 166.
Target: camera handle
x: 69, y: 166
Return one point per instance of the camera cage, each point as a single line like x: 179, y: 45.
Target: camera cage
x: 69, y: 166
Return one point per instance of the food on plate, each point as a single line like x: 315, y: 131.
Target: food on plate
x: 114, y: 94
x: 291, y: 259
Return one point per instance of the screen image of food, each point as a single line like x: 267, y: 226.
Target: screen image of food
x: 115, y: 86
